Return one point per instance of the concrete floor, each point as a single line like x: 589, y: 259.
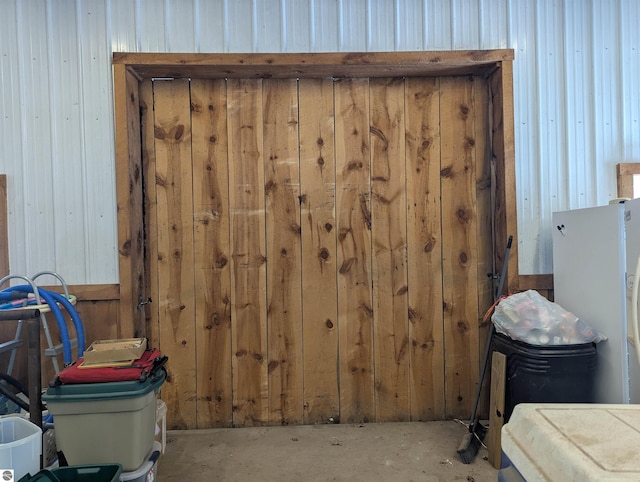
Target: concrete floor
x: 367, y: 452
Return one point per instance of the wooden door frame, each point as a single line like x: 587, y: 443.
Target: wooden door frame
x: 129, y: 69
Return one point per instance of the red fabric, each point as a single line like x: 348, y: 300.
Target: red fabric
x: 138, y: 370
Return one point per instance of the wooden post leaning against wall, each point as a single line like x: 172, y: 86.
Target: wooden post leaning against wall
x: 129, y: 196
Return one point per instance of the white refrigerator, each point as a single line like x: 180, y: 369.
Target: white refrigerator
x: 596, y: 268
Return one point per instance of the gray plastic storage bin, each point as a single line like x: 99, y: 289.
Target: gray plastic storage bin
x: 100, y: 423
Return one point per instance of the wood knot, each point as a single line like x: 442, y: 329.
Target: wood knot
x: 269, y: 186
x: 463, y: 215
x: 158, y: 132
x: 324, y: 254
x: 221, y: 262
x: 462, y: 326
x: 125, y: 250
x: 328, y: 227
x: 210, y: 107
x: 212, y: 139
x: 329, y: 323
x: 179, y: 132
x: 431, y: 243
x: 463, y: 257
x: 215, y: 320
x: 446, y: 172
x: 273, y: 364
x: 320, y: 142
x: 320, y: 161
x: 346, y: 265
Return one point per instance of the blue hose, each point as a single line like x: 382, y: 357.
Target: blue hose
x: 11, y: 296
x: 73, y: 313
x: 53, y: 306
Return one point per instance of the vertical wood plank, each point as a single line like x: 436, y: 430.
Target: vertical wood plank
x: 248, y: 252
x: 147, y: 139
x: 484, y: 226
x: 424, y: 249
x: 284, y: 295
x: 175, y: 248
x: 389, y: 249
x: 503, y: 147
x: 353, y: 211
x: 496, y: 410
x: 318, y: 221
x: 211, y: 252
x: 100, y: 319
x: 460, y: 252
x: 129, y: 195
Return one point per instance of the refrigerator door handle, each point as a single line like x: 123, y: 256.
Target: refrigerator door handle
x: 634, y: 309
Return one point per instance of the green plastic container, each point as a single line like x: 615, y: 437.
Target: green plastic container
x: 83, y: 473
x: 105, y: 423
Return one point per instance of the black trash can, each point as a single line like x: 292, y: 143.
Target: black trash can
x: 546, y: 374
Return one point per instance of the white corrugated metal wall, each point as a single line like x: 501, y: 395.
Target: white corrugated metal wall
x: 575, y: 82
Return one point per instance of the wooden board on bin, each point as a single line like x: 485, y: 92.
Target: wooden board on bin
x: 109, y: 351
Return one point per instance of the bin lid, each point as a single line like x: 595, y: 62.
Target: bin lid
x: 587, y: 442
x: 106, y: 390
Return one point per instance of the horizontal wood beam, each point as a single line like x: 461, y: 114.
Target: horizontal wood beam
x: 535, y: 282
x: 103, y: 292
x: 290, y: 65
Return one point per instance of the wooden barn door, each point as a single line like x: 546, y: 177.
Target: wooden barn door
x: 317, y: 250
